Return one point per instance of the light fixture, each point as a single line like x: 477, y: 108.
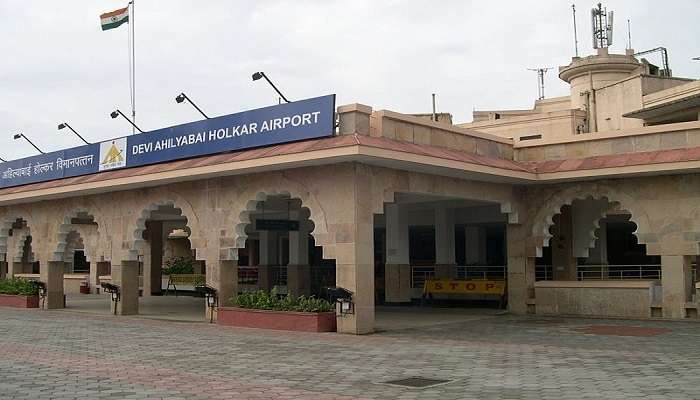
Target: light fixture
x: 212, y: 299
x: 260, y: 74
x: 182, y: 97
x: 115, y: 292
x: 116, y: 113
x: 65, y: 125
x: 41, y: 288
x: 21, y: 135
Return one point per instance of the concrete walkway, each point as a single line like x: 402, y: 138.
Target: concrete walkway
x: 191, y: 309
x: 77, y: 355
x: 181, y: 308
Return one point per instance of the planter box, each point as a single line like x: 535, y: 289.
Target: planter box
x: 280, y: 320
x: 10, y: 300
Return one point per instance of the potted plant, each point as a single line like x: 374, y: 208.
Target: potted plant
x: 268, y: 310
x: 19, y: 292
x: 179, y: 266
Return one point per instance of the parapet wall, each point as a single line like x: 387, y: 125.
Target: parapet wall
x: 644, y: 139
x: 360, y: 119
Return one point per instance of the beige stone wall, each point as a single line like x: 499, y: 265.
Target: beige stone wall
x: 599, y: 299
x: 658, y: 90
x: 617, y: 99
x: 550, y: 125
x: 666, y: 209
x: 420, y: 131
x: 652, y: 138
x: 342, y: 200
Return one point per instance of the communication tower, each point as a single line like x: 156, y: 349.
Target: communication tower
x: 602, y: 26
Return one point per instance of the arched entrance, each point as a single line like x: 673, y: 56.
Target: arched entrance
x: 279, y: 250
x: 593, y: 239
x: 168, y: 269
x: 423, y: 242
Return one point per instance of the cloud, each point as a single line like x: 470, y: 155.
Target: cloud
x: 58, y: 65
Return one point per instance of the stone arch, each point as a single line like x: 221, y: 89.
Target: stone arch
x: 252, y: 207
x: 617, y: 200
x: 20, y: 247
x: 66, y: 226
x: 136, y: 240
x: 506, y: 206
x: 389, y: 183
x: 294, y: 190
x: 7, y: 223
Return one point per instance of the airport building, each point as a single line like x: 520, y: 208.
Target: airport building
x: 587, y: 204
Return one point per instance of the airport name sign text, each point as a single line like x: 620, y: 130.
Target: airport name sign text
x: 283, y: 123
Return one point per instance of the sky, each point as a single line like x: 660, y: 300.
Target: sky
x: 58, y: 66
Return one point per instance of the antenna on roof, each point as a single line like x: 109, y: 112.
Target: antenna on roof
x: 573, y: 9
x: 602, y: 27
x: 629, y: 35
x: 540, y: 80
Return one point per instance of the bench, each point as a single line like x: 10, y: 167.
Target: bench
x: 184, y: 279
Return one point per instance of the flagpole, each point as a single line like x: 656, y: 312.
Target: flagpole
x: 133, y: 63
x: 129, y: 56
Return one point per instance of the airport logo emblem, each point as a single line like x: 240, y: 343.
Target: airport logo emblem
x: 113, y: 154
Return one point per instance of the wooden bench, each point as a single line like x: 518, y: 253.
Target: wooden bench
x: 184, y: 279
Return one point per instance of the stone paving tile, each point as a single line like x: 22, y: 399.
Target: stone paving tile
x: 59, y: 354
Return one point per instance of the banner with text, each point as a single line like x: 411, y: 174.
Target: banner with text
x: 300, y: 120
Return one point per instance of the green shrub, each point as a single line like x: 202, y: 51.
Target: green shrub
x: 18, y: 286
x: 179, y: 265
x: 262, y: 300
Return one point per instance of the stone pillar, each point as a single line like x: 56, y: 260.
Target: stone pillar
x: 354, y: 253
x: 475, y: 245
x: 354, y: 119
x: 445, y: 243
x: 51, y: 273
x: 521, y: 269
x: 223, y: 276
x: 153, y: 259
x: 298, y: 270
x: 126, y: 276
x: 268, y: 258
x: 397, y: 269
x: 676, y: 283
x: 13, y: 268
x: 564, y: 264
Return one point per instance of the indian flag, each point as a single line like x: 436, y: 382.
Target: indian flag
x: 115, y: 18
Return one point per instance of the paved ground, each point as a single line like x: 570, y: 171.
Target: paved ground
x: 64, y: 354
x: 181, y: 308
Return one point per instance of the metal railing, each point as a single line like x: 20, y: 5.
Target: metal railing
x: 600, y: 272
x: 543, y: 273
x: 247, y: 275
x: 278, y: 276
x: 420, y: 274
x: 497, y: 272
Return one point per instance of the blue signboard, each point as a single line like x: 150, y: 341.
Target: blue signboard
x: 300, y: 120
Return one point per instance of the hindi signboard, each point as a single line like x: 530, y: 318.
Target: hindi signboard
x: 299, y: 120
